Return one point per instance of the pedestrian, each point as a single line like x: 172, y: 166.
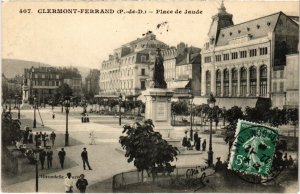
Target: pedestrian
x: 85, y: 160
x: 69, y: 183
x: 291, y: 161
x: 61, y: 156
x: 49, y: 155
x: 195, y: 138
x: 36, y: 139
x: 204, y: 145
x: 198, y: 144
x: 45, y: 138
x: 42, y: 158
x: 219, y: 164
x: 52, y: 137
x: 81, y: 183
x: 30, y: 137
x: 92, y: 138
x: 53, y: 115
x: 25, y: 135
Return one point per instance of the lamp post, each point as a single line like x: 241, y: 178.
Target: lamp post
x: 34, y: 113
x: 120, y: 100
x: 191, y: 97
x: 36, y: 157
x: 16, y: 98
x: 19, y: 102
x: 67, y: 106
x: 62, y: 105
x: 9, y: 108
x: 211, y: 102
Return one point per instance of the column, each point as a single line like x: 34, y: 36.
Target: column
x: 213, y: 81
x: 203, y: 82
x: 222, y: 80
x: 257, y: 80
x: 230, y: 82
x: 268, y: 81
x: 248, y: 81
x: 238, y: 81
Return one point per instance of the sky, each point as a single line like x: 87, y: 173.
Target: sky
x: 87, y: 39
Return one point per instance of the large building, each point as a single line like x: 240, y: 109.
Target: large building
x: 183, y: 70
x: 43, y: 82
x: 238, y: 61
x: 127, y: 70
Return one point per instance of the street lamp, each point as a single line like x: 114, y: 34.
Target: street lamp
x: 211, y: 102
x: 191, y: 97
x: 36, y: 157
x: 120, y: 100
x: 67, y: 106
x: 9, y: 103
x: 62, y: 104
x: 34, y: 113
x: 16, y: 98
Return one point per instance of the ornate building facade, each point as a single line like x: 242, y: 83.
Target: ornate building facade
x: 238, y: 60
x: 127, y: 70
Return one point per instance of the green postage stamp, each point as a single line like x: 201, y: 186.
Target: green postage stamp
x: 253, y: 148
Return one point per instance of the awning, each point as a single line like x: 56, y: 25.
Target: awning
x: 179, y: 84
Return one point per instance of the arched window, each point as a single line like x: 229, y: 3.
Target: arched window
x: 218, y: 83
x: 226, y: 83
x: 263, y: 80
x: 253, y: 81
x: 234, y: 80
x: 243, y: 82
x: 208, y: 82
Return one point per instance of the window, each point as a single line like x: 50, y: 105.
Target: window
x: 218, y: 83
x: 252, y: 81
x: 143, y: 58
x: 208, y: 81
x: 226, y: 83
x: 35, y: 75
x: 243, y: 54
x: 281, y: 74
x: 274, y: 87
x: 143, y: 85
x: 252, y: 52
x: 234, y: 55
x: 57, y: 83
x: 225, y: 57
x: 206, y: 45
x: 281, y: 87
x: 243, y: 81
x: 234, y: 82
x: 43, y: 76
x: 218, y: 57
x: 207, y: 59
x: 57, y: 76
x: 263, y: 51
x: 263, y: 80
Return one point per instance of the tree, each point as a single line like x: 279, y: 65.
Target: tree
x: 293, y: 116
x: 11, y: 129
x: 62, y: 91
x: 147, y: 149
x: 178, y: 108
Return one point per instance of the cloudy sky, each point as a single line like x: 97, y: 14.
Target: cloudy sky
x: 87, y: 39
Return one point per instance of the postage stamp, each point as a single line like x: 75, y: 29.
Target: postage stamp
x: 253, y: 148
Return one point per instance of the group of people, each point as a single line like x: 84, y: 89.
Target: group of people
x: 40, y: 137
x: 189, y: 144
x: 85, y: 118
x: 81, y: 183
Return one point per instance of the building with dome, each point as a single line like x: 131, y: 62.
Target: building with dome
x: 242, y: 62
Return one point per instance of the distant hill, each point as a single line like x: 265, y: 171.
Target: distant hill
x: 13, y: 67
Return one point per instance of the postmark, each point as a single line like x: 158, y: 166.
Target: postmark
x: 253, y: 149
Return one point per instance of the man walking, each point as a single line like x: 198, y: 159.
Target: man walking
x: 61, y: 155
x: 69, y: 183
x: 81, y: 184
x: 49, y: 158
x: 52, y: 137
x: 84, y: 156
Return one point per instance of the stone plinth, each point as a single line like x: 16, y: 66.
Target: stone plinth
x: 158, y: 109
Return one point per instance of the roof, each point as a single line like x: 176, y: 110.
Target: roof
x: 194, y: 56
x: 257, y: 28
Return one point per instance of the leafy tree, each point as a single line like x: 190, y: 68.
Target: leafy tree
x: 232, y: 116
x: 293, y: 117
x: 147, y: 149
x: 11, y: 129
x: 62, y: 91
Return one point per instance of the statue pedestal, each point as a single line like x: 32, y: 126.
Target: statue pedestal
x: 158, y: 109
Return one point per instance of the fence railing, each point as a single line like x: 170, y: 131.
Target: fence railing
x: 123, y: 179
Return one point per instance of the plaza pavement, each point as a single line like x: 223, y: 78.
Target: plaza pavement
x: 104, y: 157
